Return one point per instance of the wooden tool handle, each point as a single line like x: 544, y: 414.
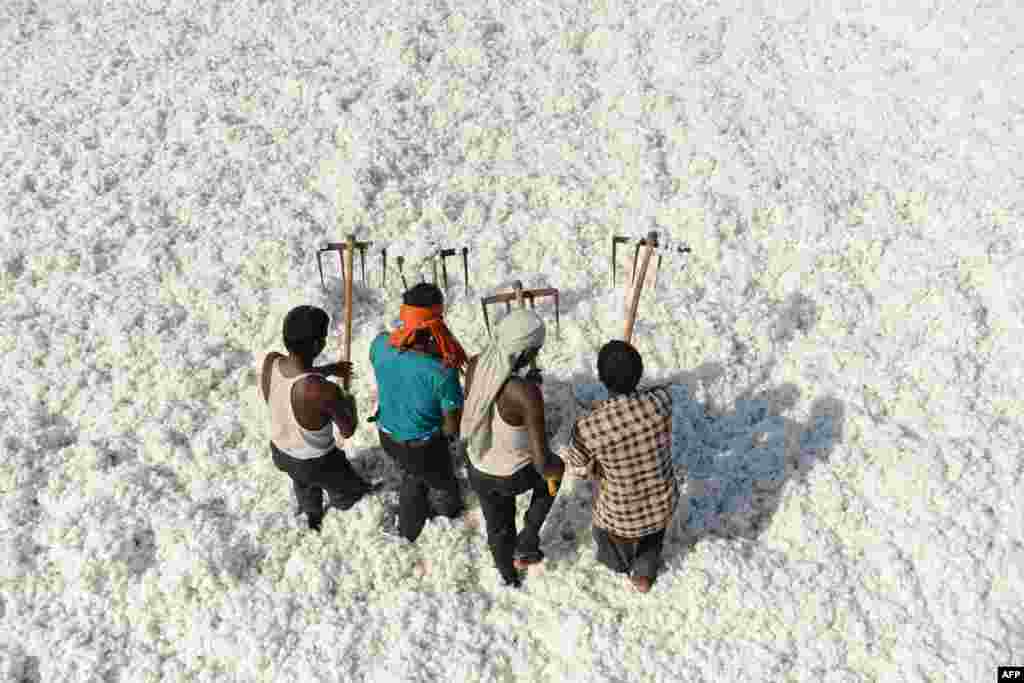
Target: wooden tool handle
x: 517, y: 288
x: 347, y: 350
x: 638, y: 286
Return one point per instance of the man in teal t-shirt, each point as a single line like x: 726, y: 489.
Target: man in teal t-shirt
x: 420, y: 399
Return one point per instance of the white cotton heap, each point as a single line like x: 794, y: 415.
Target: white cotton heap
x: 843, y: 343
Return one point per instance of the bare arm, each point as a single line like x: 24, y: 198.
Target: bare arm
x: 342, y: 370
x: 334, y: 404
x: 531, y: 402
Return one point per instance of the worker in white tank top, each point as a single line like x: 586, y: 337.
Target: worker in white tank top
x: 507, y: 443
x: 509, y: 451
x: 285, y: 431
x: 304, y: 409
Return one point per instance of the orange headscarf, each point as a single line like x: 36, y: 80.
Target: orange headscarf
x: 431, y: 318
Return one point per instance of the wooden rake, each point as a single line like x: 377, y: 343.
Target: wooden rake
x: 650, y: 241
x: 345, y: 254
x: 520, y: 296
x: 650, y: 245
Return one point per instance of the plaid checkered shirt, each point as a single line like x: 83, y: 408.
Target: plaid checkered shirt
x: 630, y: 437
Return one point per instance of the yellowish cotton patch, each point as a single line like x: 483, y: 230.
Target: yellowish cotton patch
x: 764, y: 221
x: 293, y: 88
x: 912, y: 207
x: 861, y: 261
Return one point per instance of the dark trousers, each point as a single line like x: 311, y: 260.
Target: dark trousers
x: 310, y: 478
x: 498, y: 502
x: 639, y: 557
x: 426, y: 466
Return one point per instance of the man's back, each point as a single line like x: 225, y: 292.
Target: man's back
x: 414, y: 390
x: 630, y: 437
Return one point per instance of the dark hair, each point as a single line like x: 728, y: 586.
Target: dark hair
x: 619, y: 366
x: 423, y: 295
x: 303, y: 328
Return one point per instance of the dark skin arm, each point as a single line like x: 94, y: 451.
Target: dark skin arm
x: 327, y: 399
x: 341, y: 370
x: 523, y: 403
x: 319, y: 401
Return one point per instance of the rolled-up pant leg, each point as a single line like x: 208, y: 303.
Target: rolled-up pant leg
x: 639, y: 557
x: 648, y: 555
x: 610, y: 553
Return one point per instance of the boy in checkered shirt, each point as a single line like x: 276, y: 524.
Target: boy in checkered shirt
x: 626, y: 443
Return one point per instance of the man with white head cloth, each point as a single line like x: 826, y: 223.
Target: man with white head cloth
x: 506, y: 442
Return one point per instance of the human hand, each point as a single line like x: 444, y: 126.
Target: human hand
x: 341, y: 369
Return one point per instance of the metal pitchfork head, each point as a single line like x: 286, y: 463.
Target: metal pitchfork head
x: 340, y: 247
x: 650, y: 240
x: 441, y: 255
x: 521, y: 296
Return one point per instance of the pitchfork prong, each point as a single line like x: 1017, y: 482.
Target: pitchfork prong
x: 558, y: 328
x: 636, y: 257
x: 650, y: 240
x: 341, y: 247
x: 320, y: 267
x: 443, y: 254
x: 616, y: 240
x: 401, y: 271
x: 330, y: 246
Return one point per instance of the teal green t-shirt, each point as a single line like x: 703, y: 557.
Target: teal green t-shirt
x: 414, y: 390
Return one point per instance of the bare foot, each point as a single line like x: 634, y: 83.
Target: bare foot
x: 523, y: 564
x: 642, y: 583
